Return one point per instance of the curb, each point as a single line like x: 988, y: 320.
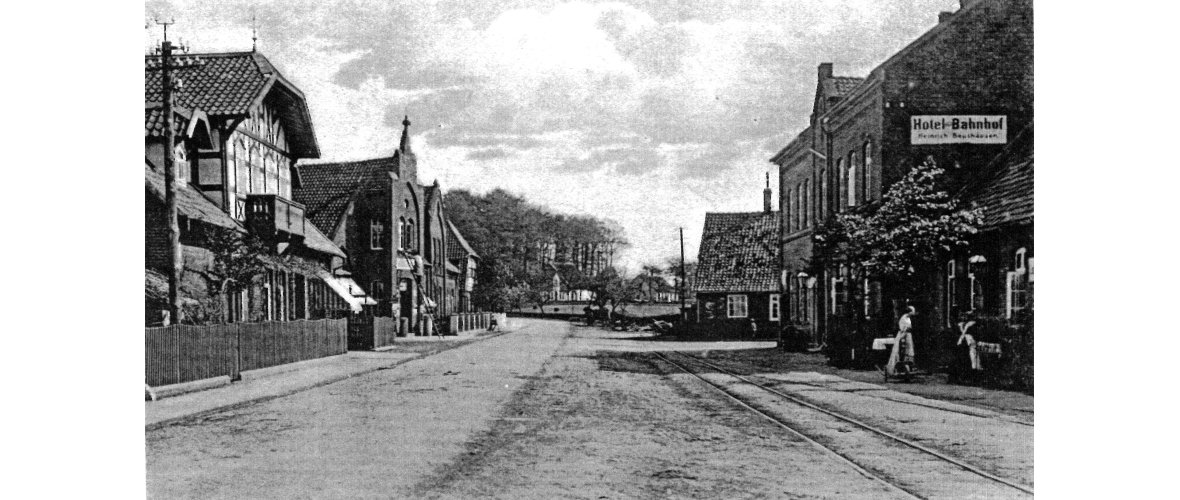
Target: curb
x: 280, y: 369
x: 172, y: 390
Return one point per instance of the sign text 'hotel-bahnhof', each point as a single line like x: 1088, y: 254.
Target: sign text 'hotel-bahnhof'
x: 958, y: 129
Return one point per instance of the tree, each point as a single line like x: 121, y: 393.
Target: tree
x: 238, y: 260
x: 915, y: 223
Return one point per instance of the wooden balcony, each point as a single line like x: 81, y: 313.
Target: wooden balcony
x: 274, y: 217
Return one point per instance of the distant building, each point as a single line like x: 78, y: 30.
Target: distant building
x: 241, y: 129
x: 738, y: 269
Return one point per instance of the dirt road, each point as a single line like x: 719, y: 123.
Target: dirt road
x: 549, y: 411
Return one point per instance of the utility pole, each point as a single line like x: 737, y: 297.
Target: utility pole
x: 683, y: 281
x: 175, y: 253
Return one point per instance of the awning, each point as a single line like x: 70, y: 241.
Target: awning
x: 404, y: 264
x: 347, y: 289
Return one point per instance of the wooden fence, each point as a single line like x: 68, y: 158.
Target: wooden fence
x: 183, y: 353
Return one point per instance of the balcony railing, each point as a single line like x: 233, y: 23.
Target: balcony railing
x: 272, y: 216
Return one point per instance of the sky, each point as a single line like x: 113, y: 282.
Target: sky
x: 648, y: 113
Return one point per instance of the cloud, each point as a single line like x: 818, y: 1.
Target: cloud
x: 651, y: 111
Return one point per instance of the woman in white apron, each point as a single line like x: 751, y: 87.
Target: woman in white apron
x: 903, y: 346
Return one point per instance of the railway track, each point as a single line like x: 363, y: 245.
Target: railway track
x: 899, y: 464
x: 997, y: 416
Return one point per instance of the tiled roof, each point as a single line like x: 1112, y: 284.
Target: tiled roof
x: 315, y: 240
x: 739, y: 253
x: 327, y: 187
x: 228, y: 84
x: 153, y: 120
x: 1008, y: 197
x: 840, y: 86
x: 457, y: 246
x: 220, y: 84
x: 189, y: 202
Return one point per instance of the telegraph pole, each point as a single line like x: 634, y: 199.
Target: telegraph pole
x: 683, y: 281
x: 175, y: 253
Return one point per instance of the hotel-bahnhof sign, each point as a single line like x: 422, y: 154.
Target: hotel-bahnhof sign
x: 958, y: 129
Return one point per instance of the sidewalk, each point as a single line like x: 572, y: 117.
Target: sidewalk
x: 278, y: 381
x: 270, y: 383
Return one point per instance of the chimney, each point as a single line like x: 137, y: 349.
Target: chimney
x: 943, y: 16
x: 825, y: 71
x: 766, y: 195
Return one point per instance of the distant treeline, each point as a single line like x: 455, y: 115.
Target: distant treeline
x: 522, y: 246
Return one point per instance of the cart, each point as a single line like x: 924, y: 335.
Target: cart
x: 882, y: 347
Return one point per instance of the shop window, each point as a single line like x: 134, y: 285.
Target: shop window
x: 737, y: 306
x: 376, y: 234
x: 775, y: 306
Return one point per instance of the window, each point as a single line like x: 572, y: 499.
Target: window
x: 801, y: 207
x: 377, y: 290
x: 1017, y: 284
x: 867, y: 289
x: 868, y: 171
x: 376, y: 234
x: 839, y: 292
x: 950, y: 292
x: 975, y: 282
x: 775, y: 306
x: 401, y: 232
x: 807, y: 203
x: 851, y: 179
x: 737, y: 306
x: 411, y: 236
x: 841, y: 185
x: 787, y: 212
x: 823, y: 193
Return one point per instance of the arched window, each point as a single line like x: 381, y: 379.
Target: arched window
x: 401, y: 233
x: 807, y: 203
x: 787, y: 211
x: 868, y: 172
x: 851, y: 179
x: 823, y: 193
x: 800, y: 206
x: 841, y: 185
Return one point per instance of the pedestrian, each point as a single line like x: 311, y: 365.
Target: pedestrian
x: 903, y: 345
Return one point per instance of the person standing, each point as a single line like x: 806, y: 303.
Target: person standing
x: 903, y: 345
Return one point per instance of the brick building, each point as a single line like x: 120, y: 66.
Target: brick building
x: 974, y: 66
x: 738, y: 267
x: 395, y: 232
x: 241, y: 128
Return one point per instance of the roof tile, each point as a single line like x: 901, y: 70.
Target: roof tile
x: 739, y: 253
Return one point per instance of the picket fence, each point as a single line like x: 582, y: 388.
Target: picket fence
x: 184, y: 353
